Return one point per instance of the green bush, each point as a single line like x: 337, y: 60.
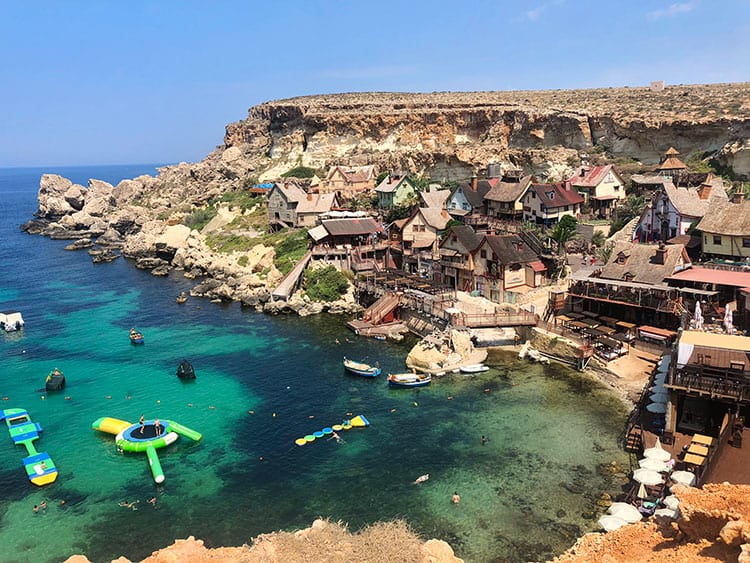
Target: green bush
x: 230, y: 243
x: 300, y: 172
x: 200, y: 218
x: 325, y: 284
x: 242, y: 199
x: 290, y: 247
x: 242, y: 261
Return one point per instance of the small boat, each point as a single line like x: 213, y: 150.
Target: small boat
x: 379, y: 337
x: 474, y: 368
x: 11, y: 322
x: 409, y: 379
x: 136, y: 337
x: 55, y: 380
x: 359, y: 368
x: 181, y: 298
x: 185, y: 370
x: 39, y: 466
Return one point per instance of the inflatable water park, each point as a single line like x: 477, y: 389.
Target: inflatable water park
x: 358, y: 421
x: 146, y: 436
x: 39, y: 465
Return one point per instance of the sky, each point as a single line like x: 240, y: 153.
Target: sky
x: 101, y: 82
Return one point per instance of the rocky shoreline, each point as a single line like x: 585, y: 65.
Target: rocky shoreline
x: 112, y: 221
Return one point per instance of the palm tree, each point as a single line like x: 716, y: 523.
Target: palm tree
x: 564, y: 232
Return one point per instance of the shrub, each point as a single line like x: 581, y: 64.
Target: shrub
x: 200, y: 218
x: 242, y: 199
x: 242, y: 261
x: 325, y: 284
x: 290, y: 247
x: 300, y: 172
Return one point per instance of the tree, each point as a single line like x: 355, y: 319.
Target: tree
x: 604, y: 253
x: 564, y: 231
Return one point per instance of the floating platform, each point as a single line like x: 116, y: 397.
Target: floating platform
x: 359, y: 421
x: 39, y: 466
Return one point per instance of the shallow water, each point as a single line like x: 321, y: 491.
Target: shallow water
x: 522, y: 494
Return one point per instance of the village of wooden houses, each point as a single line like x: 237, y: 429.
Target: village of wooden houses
x: 657, y: 263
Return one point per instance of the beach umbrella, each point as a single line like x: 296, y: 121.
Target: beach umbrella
x: 653, y: 463
x: 657, y: 452
x: 626, y: 511
x: 728, y: 319
x: 611, y: 523
x: 659, y: 379
x: 659, y: 397
x: 642, y: 492
x: 657, y: 408
x: 667, y: 512
x: 683, y: 478
x: 658, y: 388
x: 698, y: 316
x: 648, y: 477
x: 671, y: 502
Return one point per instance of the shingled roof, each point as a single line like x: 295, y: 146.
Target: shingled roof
x: 510, y: 249
x: 508, y: 191
x: 731, y: 219
x: 561, y: 195
x: 351, y: 227
x: 465, y: 235
x: 316, y: 203
x: 435, y: 198
x: 354, y: 174
x: 591, y: 177
x: 476, y: 197
x: 688, y: 201
x: 640, y: 262
x: 435, y: 217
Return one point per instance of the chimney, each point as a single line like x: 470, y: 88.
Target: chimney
x: 704, y: 191
x: 583, y: 171
x: 309, y: 197
x: 738, y: 197
x: 474, y: 182
x: 661, y: 254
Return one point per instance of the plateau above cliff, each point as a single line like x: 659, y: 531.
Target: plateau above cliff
x: 451, y: 134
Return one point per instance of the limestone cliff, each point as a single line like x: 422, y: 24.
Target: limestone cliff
x: 449, y: 134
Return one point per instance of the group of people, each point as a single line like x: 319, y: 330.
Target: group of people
x: 157, y: 425
x: 132, y: 505
x: 41, y: 506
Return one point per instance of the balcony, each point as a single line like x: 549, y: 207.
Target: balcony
x: 716, y: 383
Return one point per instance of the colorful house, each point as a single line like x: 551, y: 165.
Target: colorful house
x: 505, y: 199
x: 505, y: 266
x: 420, y: 239
x: 289, y: 206
x: 602, y: 188
x: 546, y: 204
x: 394, y: 191
x: 726, y: 230
x: 468, y: 199
x: 349, y: 180
x: 456, y: 259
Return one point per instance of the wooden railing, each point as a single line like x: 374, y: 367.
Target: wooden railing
x: 728, y: 384
x: 520, y: 318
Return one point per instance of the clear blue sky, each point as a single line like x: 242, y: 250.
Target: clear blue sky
x: 101, y: 82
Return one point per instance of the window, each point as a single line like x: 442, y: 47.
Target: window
x: 567, y: 208
x: 746, y: 243
x: 483, y: 253
x: 551, y: 195
x: 717, y: 239
x: 533, y: 195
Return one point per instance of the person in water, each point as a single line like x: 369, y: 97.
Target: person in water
x: 456, y: 498
x: 43, y: 505
x: 484, y: 440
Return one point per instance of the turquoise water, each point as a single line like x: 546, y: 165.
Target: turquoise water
x: 522, y: 494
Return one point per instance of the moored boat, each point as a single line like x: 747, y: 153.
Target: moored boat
x: 474, y: 368
x: 55, y: 380
x: 185, y: 370
x: 409, y: 379
x: 360, y: 368
x: 136, y: 337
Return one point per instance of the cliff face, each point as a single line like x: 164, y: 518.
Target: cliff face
x: 448, y: 135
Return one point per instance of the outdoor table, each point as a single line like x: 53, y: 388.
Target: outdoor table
x: 608, y: 320
x: 704, y: 440
x: 693, y: 459
x: 575, y: 316
x: 698, y: 449
x: 609, y: 331
x: 589, y: 322
x: 577, y: 325
x: 591, y: 314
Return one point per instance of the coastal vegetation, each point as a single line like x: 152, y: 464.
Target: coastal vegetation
x: 200, y: 217
x: 300, y: 172
x: 325, y: 284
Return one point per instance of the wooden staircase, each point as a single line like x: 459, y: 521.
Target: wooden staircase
x: 376, y: 312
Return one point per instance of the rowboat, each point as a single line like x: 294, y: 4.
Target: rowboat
x: 474, y: 368
x: 360, y: 368
x: 409, y: 379
x: 136, y: 337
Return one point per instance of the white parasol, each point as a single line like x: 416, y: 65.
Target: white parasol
x: 728, y: 319
x: 698, y: 316
x: 626, y: 511
x: 657, y: 408
x: 657, y: 452
x: 667, y: 512
x: 671, y: 502
x: 648, y: 477
x: 653, y: 463
x: 659, y: 397
x: 683, y: 478
x: 611, y: 523
x: 642, y: 492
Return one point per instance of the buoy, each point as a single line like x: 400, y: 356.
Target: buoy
x: 309, y: 438
x: 67, y: 398
x: 108, y: 397
x: 250, y: 412
x: 416, y: 404
x: 318, y: 434
x: 311, y: 416
x: 274, y: 415
x: 43, y: 397
x: 327, y: 430
x: 211, y: 407
x: 300, y: 441
x: 450, y: 398
x: 337, y: 427
x: 158, y: 402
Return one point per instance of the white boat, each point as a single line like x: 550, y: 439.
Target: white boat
x: 474, y: 368
x: 11, y: 321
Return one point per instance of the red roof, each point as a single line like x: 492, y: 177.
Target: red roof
x: 537, y: 266
x: 708, y: 275
x: 562, y: 195
x: 590, y: 177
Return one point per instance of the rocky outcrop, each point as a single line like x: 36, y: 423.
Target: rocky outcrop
x: 323, y: 541
x: 448, y: 135
x: 714, y: 526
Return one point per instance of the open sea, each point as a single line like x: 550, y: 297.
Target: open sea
x: 263, y: 382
